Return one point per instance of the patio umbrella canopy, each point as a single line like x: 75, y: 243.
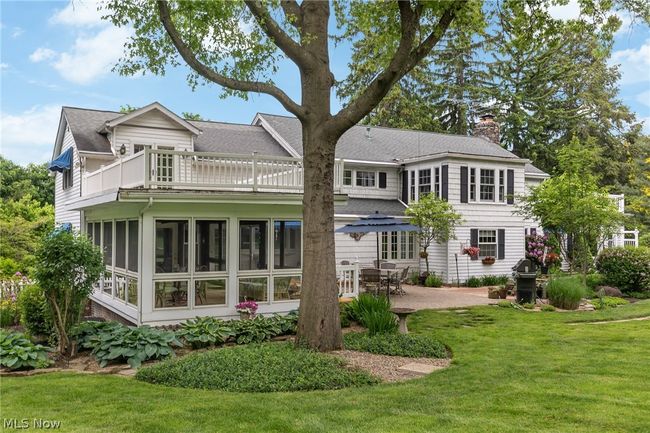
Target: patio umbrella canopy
x: 377, y: 223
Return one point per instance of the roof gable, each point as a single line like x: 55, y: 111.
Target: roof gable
x: 155, y: 106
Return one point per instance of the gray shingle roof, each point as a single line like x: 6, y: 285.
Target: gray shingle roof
x: 367, y: 206
x: 530, y: 168
x: 215, y: 137
x: 387, y: 144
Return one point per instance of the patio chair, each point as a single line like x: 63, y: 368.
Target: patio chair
x: 398, y: 279
x: 378, y: 263
x: 371, y: 280
x: 387, y: 265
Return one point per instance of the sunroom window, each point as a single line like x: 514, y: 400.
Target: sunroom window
x: 253, y: 245
x: 287, y: 244
x: 171, y: 246
x: 210, y: 246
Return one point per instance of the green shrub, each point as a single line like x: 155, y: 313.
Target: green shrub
x: 18, y: 353
x: 380, y: 322
x: 8, y: 267
x: 412, y: 346
x: 119, y: 343
x: 34, y: 311
x: 415, y: 278
x: 474, y: 282
x: 625, y: 267
x: 565, y: 292
x: 84, y: 331
x: 433, y: 281
x: 266, y: 367
x: 343, y: 314
x: 600, y: 303
x: 366, y: 302
x: 204, y: 331
x: 528, y: 305
x: 594, y: 280
x: 639, y: 295
x: 547, y: 307
x: 505, y: 304
x: 8, y: 313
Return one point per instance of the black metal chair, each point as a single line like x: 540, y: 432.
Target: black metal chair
x: 371, y: 280
x: 397, y: 280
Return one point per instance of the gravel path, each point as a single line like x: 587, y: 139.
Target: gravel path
x: 387, y: 368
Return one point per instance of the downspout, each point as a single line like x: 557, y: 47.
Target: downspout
x: 140, y: 235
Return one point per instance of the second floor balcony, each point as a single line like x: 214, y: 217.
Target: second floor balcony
x: 171, y: 169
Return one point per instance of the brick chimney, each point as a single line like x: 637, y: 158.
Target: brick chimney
x: 487, y: 128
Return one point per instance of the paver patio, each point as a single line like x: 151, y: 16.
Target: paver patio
x: 421, y: 298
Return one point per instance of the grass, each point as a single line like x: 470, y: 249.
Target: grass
x: 256, y: 368
x: 513, y: 371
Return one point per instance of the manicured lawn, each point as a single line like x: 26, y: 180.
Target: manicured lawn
x: 513, y: 371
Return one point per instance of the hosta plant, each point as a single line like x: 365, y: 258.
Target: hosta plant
x: 205, y: 331
x: 131, y: 344
x: 18, y: 353
x: 256, y: 330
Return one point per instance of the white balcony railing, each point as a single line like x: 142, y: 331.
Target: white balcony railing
x: 624, y: 238
x: 154, y: 168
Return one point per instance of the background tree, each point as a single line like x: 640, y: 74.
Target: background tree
x: 436, y: 219
x: 572, y: 206
x: 68, y: 265
x: 238, y: 45
x: 33, y: 180
x: 191, y: 116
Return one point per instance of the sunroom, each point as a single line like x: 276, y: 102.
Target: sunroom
x: 168, y: 262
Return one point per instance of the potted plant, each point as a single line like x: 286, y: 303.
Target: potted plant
x: 489, y: 260
x: 552, y: 259
x: 246, y: 309
x: 473, y: 252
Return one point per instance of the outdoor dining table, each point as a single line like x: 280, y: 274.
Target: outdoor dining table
x: 388, y: 273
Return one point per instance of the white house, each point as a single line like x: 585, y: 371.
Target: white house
x: 194, y: 216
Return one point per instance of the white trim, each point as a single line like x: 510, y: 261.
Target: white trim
x: 153, y: 106
x: 261, y: 121
x: 464, y: 156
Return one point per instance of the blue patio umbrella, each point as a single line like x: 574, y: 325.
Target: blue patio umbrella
x: 377, y: 223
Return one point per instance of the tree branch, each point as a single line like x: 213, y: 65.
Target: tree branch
x: 403, y: 61
x: 291, y: 48
x: 292, y: 9
x: 210, y: 74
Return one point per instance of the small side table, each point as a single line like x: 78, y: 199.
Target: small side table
x: 402, y: 314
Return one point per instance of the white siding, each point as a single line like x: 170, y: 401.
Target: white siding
x: 152, y: 128
x: 61, y: 196
x: 364, y: 250
x: 392, y: 183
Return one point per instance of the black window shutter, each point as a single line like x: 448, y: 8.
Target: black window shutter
x: 463, y: 184
x: 510, y: 188
x: 382, y: 179
x: 405, y: 186
x: 445, y: 182
x: 501, y: 244
x: 473, y: 241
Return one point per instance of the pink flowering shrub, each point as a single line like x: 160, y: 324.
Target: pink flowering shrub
x: 626, y: 268
x: 472, y: 251
x: 536, y: 248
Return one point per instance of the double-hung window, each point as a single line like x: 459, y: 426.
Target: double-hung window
x: 68, y: 179
x: 487, y: 243
x: 424, y: 182
x: 487, y: 185
x: 347, y: 177
x: 366, y: 179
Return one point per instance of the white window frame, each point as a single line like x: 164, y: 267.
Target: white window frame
x: 67, y: 179
x: 472, y: 184
x: 347, y: 180
x: 422, y: 184
x: 397, y: 246
x: 495, y: 243
x: 412, y: 185
x: 357, y: 179
x: 502, y: 186
x: 493, y: 185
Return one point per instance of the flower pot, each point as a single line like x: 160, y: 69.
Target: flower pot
x: 488, y: 261
x: 503, y: 292
x: 424, y: 254
x: 245, y: 316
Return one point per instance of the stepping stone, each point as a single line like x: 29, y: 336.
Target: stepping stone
x: 416, y: 367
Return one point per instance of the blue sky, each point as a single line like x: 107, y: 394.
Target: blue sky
x: 54, y: 54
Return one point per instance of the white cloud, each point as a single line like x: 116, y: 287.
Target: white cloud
x: 29, y: 136
x: 569, y: 11
x: 78, y: 14
x: 635, y: 63
x: 92, y: 57
x: 16, y: 32
x: 4, y: 66
x: 646, y: 124
x: 41, y: 54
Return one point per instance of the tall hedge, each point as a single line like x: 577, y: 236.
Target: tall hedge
x: 627, y: 268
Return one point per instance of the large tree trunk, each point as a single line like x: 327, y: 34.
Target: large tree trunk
x: 319, y: 326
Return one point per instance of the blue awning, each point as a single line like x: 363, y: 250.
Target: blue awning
x: 62, y: 162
